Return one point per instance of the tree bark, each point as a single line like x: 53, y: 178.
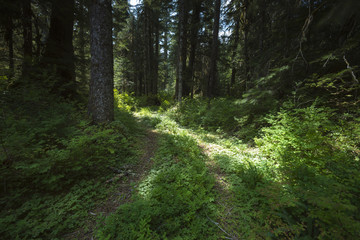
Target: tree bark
x: 82, y: 42
x: 59, y: 50
x: 246, y: 46
x: 212, y: 83
x: 181, y: 48
x: 166, y: 49
x: 27, y: 36
x: 195, y: 22
x: 101, y: 96
x: 156, y: 59
x: 233, y: 59
x: 37, y: 38
x: 10, y: 41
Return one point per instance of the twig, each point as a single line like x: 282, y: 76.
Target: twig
x: 218, y: 225
x: 327, y: 60
x: 351, y: 70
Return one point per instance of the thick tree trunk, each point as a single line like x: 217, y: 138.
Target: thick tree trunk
x: 59, y: 50
x: 101, y: 97
x: 27, y: 36
x: 212, y: 83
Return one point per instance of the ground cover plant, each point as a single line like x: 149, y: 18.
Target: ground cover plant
x: 55, y: 164
x: 179, y: 119
x: 174, y: 200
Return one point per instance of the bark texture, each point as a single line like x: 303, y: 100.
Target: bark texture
x: 182, y: 48
x: 101, y: 98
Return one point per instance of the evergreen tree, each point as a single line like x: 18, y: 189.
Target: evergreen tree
x: 101, y: 96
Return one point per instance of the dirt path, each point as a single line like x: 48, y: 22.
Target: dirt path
x: 224, y: 195
x: 125, y: 180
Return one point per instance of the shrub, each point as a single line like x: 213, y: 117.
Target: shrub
x: 317, y: 162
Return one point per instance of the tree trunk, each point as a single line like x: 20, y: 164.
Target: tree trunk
x: 82, y: 42
x: 10, y: 41
x: 59, y: 50
x: 101, y: 96
x: 37, y: 38
x: 195, y: 22
x: 212, y: 83
x: 182, y: 48
x: 27, y: 36
x: 156, y: 60
x: 233, y: 59
x: 246, y: 46
x: 166, y: 49
x: 148, y: 71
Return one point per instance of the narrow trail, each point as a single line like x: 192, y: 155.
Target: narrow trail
x: 171, y: 140
x: 222, y: 188
x: 125, y: 180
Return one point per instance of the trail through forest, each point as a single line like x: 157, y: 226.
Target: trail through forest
x: 199, y: 171
x: 126, y: 178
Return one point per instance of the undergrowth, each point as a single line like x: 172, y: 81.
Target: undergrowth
x: 175, y: 199
x: 54, y: 163
x: 302, y: 183
x: 240, y: 118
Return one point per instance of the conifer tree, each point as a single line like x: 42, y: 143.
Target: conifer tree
x: 101, y: 96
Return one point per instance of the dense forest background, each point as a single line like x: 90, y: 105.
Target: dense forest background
x: 257, y: 97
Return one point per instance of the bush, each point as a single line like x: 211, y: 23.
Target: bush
x: 241, y: 118
x: 53, y: 161
x: 317, y: 162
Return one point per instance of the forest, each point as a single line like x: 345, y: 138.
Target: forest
x: 179, y: 119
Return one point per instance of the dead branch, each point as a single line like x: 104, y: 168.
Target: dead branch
x: 218, y: 225
x: 351, y: 70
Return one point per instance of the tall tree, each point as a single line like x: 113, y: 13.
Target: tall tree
x: 194, y: 30
x: 27, y: 35
x: 212, y: 83
x: 246, y: 29
x: 8, y: 14
x: 182, y: 30
x: 59, y: 50
x: 82, y: 20
x: 101, y: 96
x: 9, y: 28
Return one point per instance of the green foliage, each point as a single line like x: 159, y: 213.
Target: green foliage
x: 124, y: 101
x: 241, y: 118
x: 51, y: 216
x: 174, y: 199
x: 161, y: 101
x: 319, y: 167
x: 54, y: 163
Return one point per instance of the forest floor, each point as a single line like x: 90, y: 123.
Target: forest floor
x: 126, y: 179
x: 231, y: 196
x: 211, y: 177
